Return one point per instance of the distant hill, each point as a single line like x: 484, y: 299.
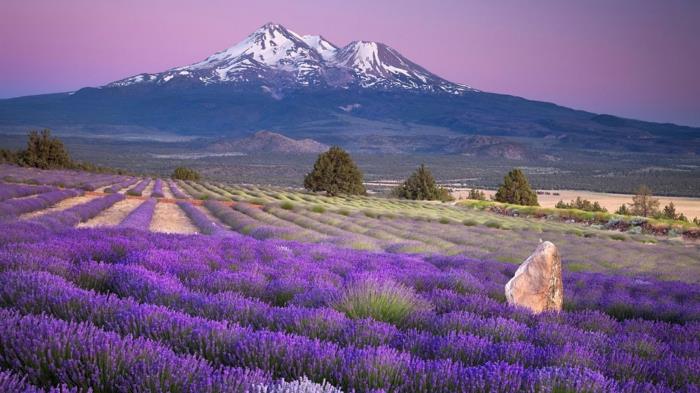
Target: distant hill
x: 268, y: 142
x: 363, y: 96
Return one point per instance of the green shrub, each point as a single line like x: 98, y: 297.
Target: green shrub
x: 444, y: 220
x: 318, y: 209
x: 618, y: 237
x: 476, y: 195
x: 469, y: 222
x: 287, y: 205
x: 370, y: 214
x: 493, y: 224
x: 257, y: 201
x: 344, y: 212
x: 184, y: 173
x: 581, y: 204
x: 382, y: 300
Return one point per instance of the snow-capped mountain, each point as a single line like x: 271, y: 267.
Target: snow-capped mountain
x: 279, y: 58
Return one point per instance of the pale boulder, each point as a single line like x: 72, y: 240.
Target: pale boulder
x: 537, y: 283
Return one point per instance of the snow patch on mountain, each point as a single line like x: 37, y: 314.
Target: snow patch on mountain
x: 274, y: 55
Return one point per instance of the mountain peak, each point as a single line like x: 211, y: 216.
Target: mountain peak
x: 277, y: 58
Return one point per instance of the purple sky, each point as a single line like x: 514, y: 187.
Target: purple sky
x: 633, y: 58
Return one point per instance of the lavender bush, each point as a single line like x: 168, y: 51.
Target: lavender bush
x: 137, y: 190
x: 177, y: 193
x: 15, y: 207
x: 236, y: 302
x: 201, y: 221
x: 157, y: 189
x: 78, y: 213
x: 8, y: 191
x: 121, y: 185
x: 140, y: 218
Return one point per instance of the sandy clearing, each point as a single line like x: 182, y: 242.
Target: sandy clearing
x: 62, y: 205
x: 688, y: 206
x: 169, y: 218
x: 113, y: 215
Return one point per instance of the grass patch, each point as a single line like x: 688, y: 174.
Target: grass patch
x: 618, y: 237
x: 370, y: 214
x: 444, y: 220
x: 493, y: 224
x: 469, y: 222
x: 382, y: 300
x: 509, y: 260
x: 286, y: 205
x: 318, y: 209
x: 576, y: 267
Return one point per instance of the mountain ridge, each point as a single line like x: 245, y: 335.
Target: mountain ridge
x: 364, y: 96
x: 281, y: 58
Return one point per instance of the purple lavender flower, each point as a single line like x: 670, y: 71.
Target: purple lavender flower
x: 140, y: 218
x: 157, y: 189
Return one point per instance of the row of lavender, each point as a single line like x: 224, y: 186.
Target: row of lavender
x: 59, y: 178
x: 264, y: 310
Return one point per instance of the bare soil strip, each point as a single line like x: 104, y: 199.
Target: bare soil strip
x: 166, y: 191
x: 62, y: 205
x: 149, y: 188
x: 169, y: 218
x: 114, y: 215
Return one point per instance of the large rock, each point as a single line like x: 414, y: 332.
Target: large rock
x: 537, y: 283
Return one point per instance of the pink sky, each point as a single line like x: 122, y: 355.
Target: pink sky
x: 632, y: 58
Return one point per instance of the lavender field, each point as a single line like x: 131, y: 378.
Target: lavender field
x: 283, y: 291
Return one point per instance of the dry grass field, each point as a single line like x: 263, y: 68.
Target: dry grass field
x: 688, y: 206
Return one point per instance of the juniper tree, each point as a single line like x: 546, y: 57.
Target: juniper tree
x: 335, y: 173
x: 516, y: 190
x: 184, y: 173
x: 643, y: 203
x: 421, y: 185
x: 45, y: 152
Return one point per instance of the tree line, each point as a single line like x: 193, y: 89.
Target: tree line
x: 335, y: 173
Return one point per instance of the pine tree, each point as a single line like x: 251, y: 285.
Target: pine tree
x: 516, y: 189
x: 643, y: 203
x: 335, y: 173
x: 421, y: 186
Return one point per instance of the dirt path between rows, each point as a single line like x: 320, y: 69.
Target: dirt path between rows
x: 149, y: 189
x: 62, y: 205
x: 113, y: 215
x: 169, y: 218
x: 166, y: 191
